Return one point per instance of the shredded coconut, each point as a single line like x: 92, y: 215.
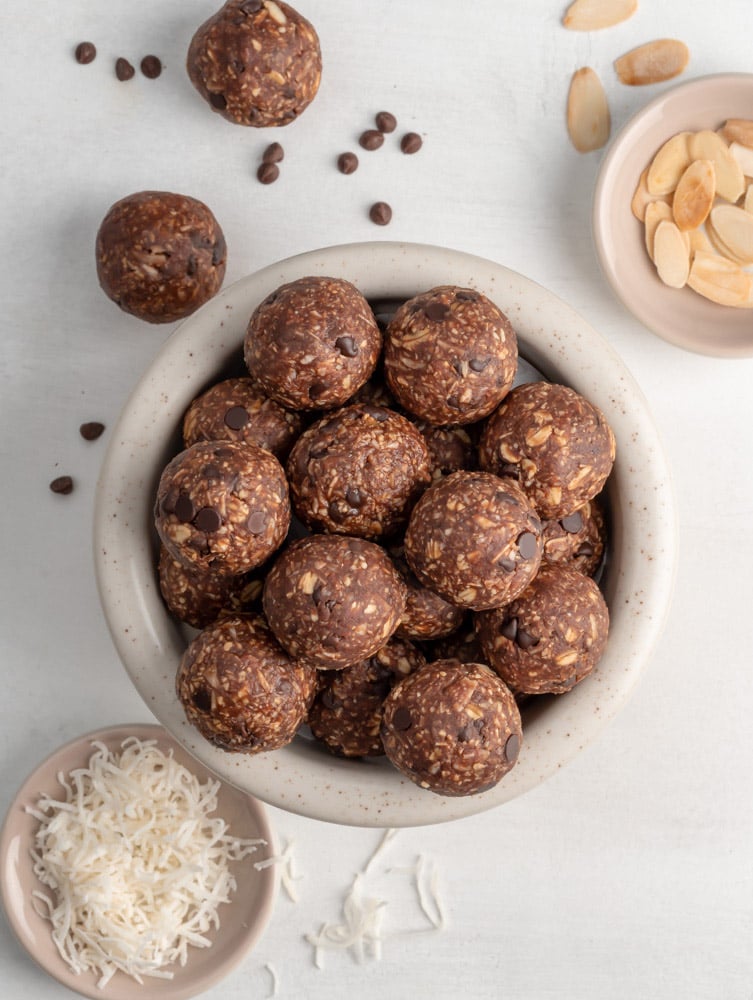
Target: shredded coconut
x: 389, y: 835
x: 275, y: 980
x: 288, y: 876
x: 136, y: 865
x: 360, y: 931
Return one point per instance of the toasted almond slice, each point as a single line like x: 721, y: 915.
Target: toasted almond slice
x: 699, y: 242
x: 642, y: 198
x: 719, y: 247
x: 671, y: 255
x: 744, y: 156
x: 720, y: 280
x: 656, y: 212
x: 653, y: 62
x: 694, y: 195
x: 734, y: 227
x: 588, y: 119
x: 707, y: 145
x: 738, y: 130
x: 748, y: 203
x: 590, y: 15
x: 669, y: 164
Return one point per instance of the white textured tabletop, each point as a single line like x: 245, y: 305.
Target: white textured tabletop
x: 629, y: 874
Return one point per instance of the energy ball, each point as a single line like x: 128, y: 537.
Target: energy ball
x: 551, y: 636
x: 474, y: 539
x: 198, y: 597
x: 237, y: 410
x: 450, y: 355
x: 347, y: 713
x: 426, y: 615
x: 333, y: 600
x: 312, y: 343
x: 222, y: 506
x: 552, y: 441
x: 463, y: 644
x: 240, y: 689
x: 160, y: 255
x: 256, y: 62
x: 577, y: 540
x: 358, y: 471
x: 450, y: 449
x: 451, y: 727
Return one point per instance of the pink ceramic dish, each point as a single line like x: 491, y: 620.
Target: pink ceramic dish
x: 242, y: 920
x: 679, y: 316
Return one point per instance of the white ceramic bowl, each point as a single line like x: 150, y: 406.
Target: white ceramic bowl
x: 638, y: 580
x: 679, y: 316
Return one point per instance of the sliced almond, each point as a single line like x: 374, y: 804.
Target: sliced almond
x: 694, y: 195
x: 591, y: 15
x: 643, y: 198
x: 748, y: 203
x: 738, y: 130
x: 653, y: 62
x: 669, y: 164
x: 699, y: 242
x: 719, y: 247
x: 720, y: 280
x: 707, y: 145
x: 734, y: 227
x: 588, y: 119
x: 656, y: 212
x: 671, y: 255
x: 744, y: 156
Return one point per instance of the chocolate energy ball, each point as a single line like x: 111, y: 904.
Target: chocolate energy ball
x: 426, y: 615
x: 256, y: 62
x: 358, y: 471
x: 312, y: 343
x: 452, y: 727
x: 450, y: 355
x: 450, y: 449
x: 551, y: 636
x: 463, y: 644
x: 347, y: 713
x: 333, y: 600
x: 160, y: 255
x: 551, y: 440
x: 577, y: 540
x: 237, y: 410
x: 474, y: 539
x: 222, y: 506
x: 240, y: 689
x: 197, y: 597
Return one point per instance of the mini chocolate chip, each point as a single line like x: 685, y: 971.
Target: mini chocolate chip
x: 371, y: 139
x: 502, y: 497
x: 436, y: 311
x: 525, y: 640
x: 377, y: 413
x: 208, y: 520
x: 573, y: 523
x: 507, y: 564
x: 151, y: 67
x: 238, y: 66
x: 268, y: 173
x: 317, y: 389
x: 274, y: 153
x: 385, y: 121
x: 466, y: 295
x: 63, y: 484
x: 347, y: 346
x: 218, y: 101
x: 329, y: 700
x: 586, y: 550
x: 236, y: 418
x: 184, y: 509
x: 91, y: 431
x: 191, y: 266
x: 528, y: 545
x: 512, y: 748
x: 202, y: 699
x: 124, y: 70
x: 250, y: 6
x: 411, y: 142
x: 353, y: 496
x: 402, y: 719
x: 335, y: 513
x: 510, y: 469
x: 347, y: 163
x: 509, y: 628
x: 257, y: 522
x: 478, y: 364
x: 86, y: 52
x: 453, y: 402
x: 321, y: 593
x: 380, y: 213
x: 212, y: 471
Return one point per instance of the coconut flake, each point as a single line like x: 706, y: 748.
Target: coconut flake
x: 288, y: 876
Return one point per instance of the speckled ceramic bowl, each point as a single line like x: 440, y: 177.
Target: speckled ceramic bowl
x: 637, y: 581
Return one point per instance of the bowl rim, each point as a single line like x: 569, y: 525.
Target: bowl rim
x: 316, y: 784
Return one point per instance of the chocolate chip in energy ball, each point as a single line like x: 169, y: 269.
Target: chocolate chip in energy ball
x: 386, y: 121
x: 371, y: 139
x: 151, y: 67
x: 85, y: 53
x: 123, y: 70
x: 347, y: 163
x: 91, y: 430
x: 274, y: 153
x: 380, y: 213
x: 63, y: 485
x: 411, y: 142
x: 267, y: 173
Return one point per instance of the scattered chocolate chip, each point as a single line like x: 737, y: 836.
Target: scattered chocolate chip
x: 63, y: 484
x: 509, y: 628
x: 124, y: 70
x: 347, y: 346
x: 208, y: 520
x: 525, y: 640
x: 573, y: 523
x: 371, y: 139
x: 257, y: 522
x: 335, y: 511
x: 274, y: 153
x: 402, y: 719
x: 436, y: 311
x: 151, y: 67
x: 184, y: 509
x: 507, y: 564
x: 512, y: 748
x: 268, y: 173
x: 218, y: 101
x: 202, y: 699
x: 347, y: 163
x: 411, y: 142
x: 385, y: 121
x: 236, y: 417
x: 86, y: 52
x: 91, y: 431
x: 353, y: 496
x: 380, y: 213
x: 528, y: 545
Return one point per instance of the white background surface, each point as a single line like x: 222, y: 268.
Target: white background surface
x: 628, y: 875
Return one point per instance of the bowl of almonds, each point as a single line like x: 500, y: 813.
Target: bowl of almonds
x: 673, y: 215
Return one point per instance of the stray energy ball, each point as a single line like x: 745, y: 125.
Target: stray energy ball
x: 577, y: 540
x: 237, y: 410
x: 257, y: 62
x: 474, y: 539
x: 160, y: 255
x: 451, y: 727
x: 312, y: 343
x: 556, y: 444
x: 551, y: 636
x: 358, y: 471
x: 450, y: 355
x: 222, y: 506
x: 240, y: 689
x: 333, y: 600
